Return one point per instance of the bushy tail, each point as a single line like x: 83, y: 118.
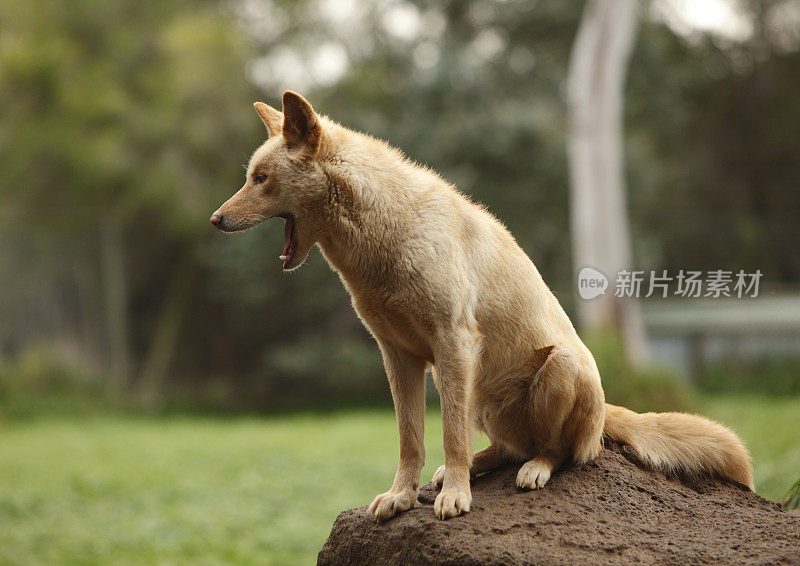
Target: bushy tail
x: 681, y: 443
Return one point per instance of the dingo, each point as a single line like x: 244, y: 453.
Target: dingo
x: 439, y: 281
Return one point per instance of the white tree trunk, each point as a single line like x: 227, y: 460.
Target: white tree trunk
x: 600, y: 233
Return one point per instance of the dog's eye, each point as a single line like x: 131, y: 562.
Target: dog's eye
x: 259, y: 179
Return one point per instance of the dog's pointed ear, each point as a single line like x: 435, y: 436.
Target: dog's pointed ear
x: 301, y: 125
x: 272, y: 118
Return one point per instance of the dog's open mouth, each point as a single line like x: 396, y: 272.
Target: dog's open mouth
x: 290, y: 245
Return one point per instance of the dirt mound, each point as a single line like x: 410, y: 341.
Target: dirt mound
x: 611, y: 510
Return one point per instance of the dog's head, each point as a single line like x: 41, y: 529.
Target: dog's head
x: 284, y: 179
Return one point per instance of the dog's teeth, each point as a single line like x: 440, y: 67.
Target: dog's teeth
x: 283, y: 257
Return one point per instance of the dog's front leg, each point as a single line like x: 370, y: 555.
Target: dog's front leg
x: 406, y: 374
x: 454, y: 367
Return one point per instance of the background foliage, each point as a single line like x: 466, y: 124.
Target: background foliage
x: 126, y: 124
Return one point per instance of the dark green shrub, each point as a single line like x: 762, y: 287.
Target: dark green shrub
x: 769, y: 376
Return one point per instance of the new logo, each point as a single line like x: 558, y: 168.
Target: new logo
x: 591, y: 283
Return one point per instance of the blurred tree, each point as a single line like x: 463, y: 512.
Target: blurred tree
x: 121, y: 111
x: 598, y: 200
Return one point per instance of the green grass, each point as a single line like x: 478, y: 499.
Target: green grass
x: 196, y: 490
x: 193, y: 490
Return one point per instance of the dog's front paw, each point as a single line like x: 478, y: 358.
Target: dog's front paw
x: 389, y: 504
x: 438, y: 476
x: 452, y: 502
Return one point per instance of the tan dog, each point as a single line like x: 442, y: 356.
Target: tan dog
x: 439, y: 281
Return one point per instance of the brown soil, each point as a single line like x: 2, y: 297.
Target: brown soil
x: 611, y: 510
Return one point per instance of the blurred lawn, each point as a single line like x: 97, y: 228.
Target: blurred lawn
x: 199, y: 490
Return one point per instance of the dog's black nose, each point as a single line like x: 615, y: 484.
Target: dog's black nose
x: 216, y: 219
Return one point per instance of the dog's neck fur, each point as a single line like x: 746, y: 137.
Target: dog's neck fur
x: 362, y: 189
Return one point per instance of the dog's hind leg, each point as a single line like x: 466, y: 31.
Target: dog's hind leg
x: 567, y: 414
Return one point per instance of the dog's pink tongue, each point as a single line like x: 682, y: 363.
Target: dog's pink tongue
x: 288, y: 229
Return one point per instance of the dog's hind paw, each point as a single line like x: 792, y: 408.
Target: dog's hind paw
x: 533, y: 474
x: 438, y: 476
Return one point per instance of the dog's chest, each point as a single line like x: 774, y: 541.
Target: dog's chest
x: 391, y: 318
